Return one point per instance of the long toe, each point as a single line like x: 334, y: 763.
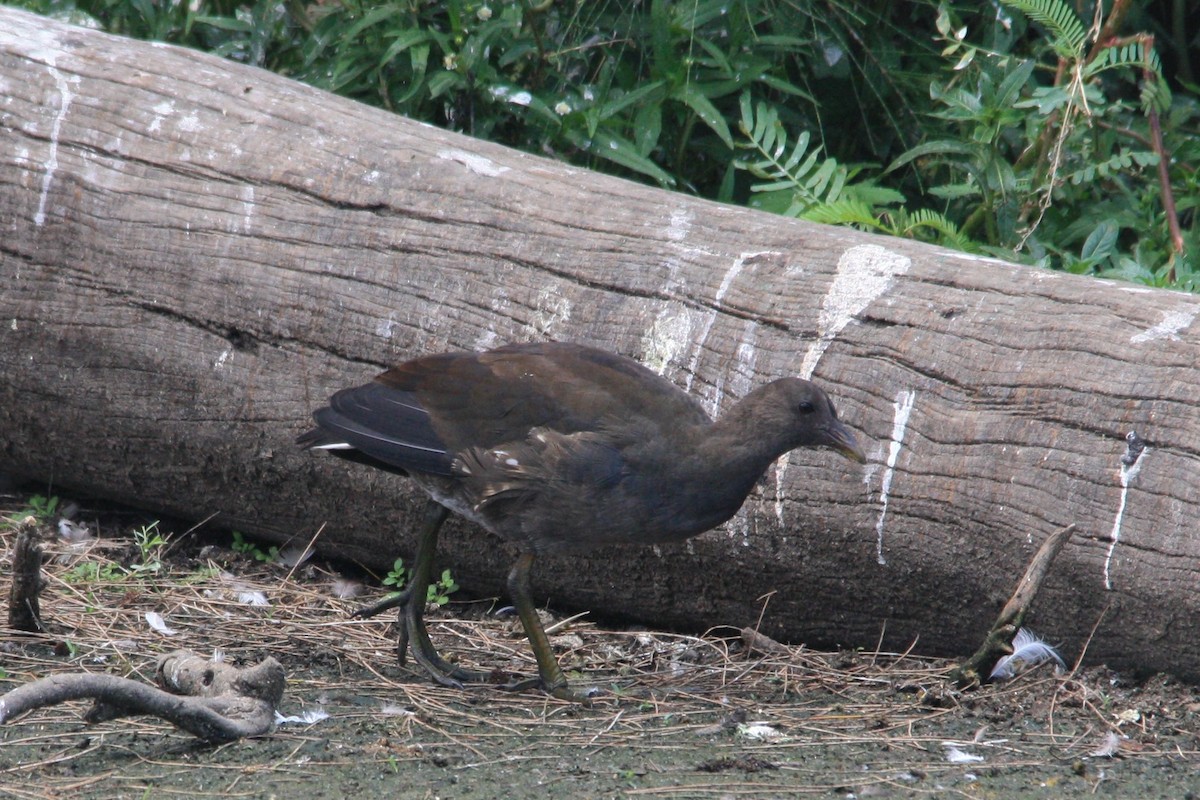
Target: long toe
x: 583, y: 698
x: 562, y: 691
x: 391, y: 601
x: 413, y: 635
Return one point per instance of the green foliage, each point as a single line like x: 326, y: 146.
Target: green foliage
x: 240, y: 545
x: 1067, y: 35
x: 438, y: 592
x: 43, y: 509
x: 797, y: 181
x: 149, y: 543
x: 801, y: 184
x: 1060, y: 171
x: 86, y: 572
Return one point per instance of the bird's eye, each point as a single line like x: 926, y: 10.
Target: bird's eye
x: 806, y: 407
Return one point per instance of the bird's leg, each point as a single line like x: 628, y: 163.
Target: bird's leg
x: 411, y: 619
x: 550, y: 676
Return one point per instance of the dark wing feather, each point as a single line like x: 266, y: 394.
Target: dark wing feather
x: 488, y: 399
x: 387, y: 425
x: 420, y: 414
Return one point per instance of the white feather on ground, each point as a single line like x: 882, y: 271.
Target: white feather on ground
x: 1028, y: 651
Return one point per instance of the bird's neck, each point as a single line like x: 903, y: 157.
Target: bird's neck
x: 740, y: 442
x: 723, y: 468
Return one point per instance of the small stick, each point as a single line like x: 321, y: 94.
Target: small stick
x: 999, y: 640
x: 563, y: 623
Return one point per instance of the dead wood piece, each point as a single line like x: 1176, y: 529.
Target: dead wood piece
x: 24, y: 613
x: 999, y: 641
x: 759, y: 642
x: 183, y: 672
x: 224, y: 702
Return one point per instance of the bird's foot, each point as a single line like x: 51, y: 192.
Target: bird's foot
x: 561, y: 689
x: 442, y: 671
x: 411, y: 620
x: 450, y: 675
x: 391, y: 601
x: 583, y: 698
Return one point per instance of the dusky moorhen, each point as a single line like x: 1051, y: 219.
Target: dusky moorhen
x: 561, y: 448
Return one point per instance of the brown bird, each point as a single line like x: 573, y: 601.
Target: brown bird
x: 561, y: 448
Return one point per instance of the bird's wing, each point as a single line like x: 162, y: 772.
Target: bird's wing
x: 547, y: 460
x: 389, y: 425
x: 487, y: 399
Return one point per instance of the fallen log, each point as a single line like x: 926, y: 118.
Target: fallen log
x: 196, y: 253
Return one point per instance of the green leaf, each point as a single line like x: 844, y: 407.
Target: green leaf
x: 419, y: 60
x: 1045, y: 99
x: 844, y: 212
x: 1010, y: 87
x: 404, y: 41
x: 1066, y: 31
x: 954, y: 191
x: 728, y: 182
x: 697, y: 102
x: 378, y: 15
x: 443, y: 81
x: 788, y: 88
x: 941, y: 147
x: 611, y: 147
x: 654, y: 90
x: 519, y: 96
x: 718, y: 57
x: 225, y: 23
x: 1100, y: 243
x: 647, y: 127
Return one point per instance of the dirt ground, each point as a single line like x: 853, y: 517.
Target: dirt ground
x: 678, y: 716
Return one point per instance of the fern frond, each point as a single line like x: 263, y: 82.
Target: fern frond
x: 846, y: 212
x: 1121, y: 161
x: 811, y: 179
x: 1059, y: 19
x: 1130, y: 55
x: 926, y: 220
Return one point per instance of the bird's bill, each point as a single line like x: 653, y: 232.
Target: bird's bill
x: 842, y: 440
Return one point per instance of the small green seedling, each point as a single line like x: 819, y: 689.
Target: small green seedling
x: 40, y: 508
x: 240, y: 545
x: 439, y: 591
x: 94, y: 572
x: 150, y: 544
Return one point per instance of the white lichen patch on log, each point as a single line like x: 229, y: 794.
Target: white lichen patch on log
x: 1168, y: 327
x: 668, y: 337
x: 680, y: 224
x: 863, y: 274
x: 474, y: 162
x: 246, y: 195
x: 161, y: 111
x: 550, y: 310
x: 1128, y: 473
x: 903, y: 405
x: 731, y: 275
x: 742, y: 372
x: 65, y: 97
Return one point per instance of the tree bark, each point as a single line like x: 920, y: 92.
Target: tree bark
x: 195, y: 254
